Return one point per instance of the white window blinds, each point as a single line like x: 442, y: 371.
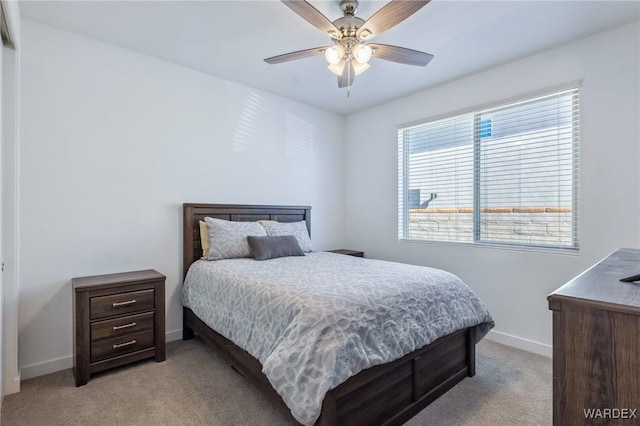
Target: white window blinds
x: 505, y: 175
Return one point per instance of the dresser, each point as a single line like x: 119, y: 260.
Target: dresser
x: 118, y: 319
x: 596, y: 345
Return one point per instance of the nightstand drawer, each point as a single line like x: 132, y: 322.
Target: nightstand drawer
x: 121, y: 303
x: 120, y: 326
x: 121, y: 345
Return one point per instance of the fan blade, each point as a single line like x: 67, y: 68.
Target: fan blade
x: 401, y: 55
x: 390, y: 15
x: 293, y: 56
x: 313, y: 16
x: 346, y: 79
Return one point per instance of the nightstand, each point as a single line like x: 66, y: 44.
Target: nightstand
x: 118, y: 319
x: 354, y: 253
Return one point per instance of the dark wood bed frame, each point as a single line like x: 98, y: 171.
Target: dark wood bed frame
x: 387, y: 394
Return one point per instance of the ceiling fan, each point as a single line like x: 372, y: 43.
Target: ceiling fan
x: 351, y: 51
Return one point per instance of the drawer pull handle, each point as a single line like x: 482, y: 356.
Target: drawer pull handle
x: 120, y: 345
x: 128, y: 302
x: 118, y: 327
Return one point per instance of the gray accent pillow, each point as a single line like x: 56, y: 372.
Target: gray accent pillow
x: 263, y: 248
x: 297, y: 229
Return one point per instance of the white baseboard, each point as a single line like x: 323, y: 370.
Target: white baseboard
x: 51, y: 366
x: 46, y: 367
x: 520, y: 343
x: 172, y: 336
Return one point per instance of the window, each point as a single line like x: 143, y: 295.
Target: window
x: 506, y: 175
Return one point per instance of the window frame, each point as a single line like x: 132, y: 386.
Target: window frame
x: 477, y: 111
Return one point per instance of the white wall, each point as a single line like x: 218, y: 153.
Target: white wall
x: 514, y: 284
x: 113, y: 142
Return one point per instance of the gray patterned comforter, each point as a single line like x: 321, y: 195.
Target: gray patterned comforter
x: 314, y: 321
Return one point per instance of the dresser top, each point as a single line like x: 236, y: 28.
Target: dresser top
x: 600, y: 285
x: 147, y: 275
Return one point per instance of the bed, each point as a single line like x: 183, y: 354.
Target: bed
x: 389, y: 393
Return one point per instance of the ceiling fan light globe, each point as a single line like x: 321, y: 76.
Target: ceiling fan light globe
x: 362, y: 53
x: 359, y: 68
x: 334, y: 54
x: 338, y: 68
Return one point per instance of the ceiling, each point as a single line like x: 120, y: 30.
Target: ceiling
x: 230, y: 39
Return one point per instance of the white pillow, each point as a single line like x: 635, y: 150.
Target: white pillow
x: 297, y: 229
x: 228, y: 240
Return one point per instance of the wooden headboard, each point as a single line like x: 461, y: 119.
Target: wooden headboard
x: 194, y: 213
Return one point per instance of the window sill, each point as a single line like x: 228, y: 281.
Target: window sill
x: 546, y: 250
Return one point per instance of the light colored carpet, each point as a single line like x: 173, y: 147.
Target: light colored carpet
x: 195, y: 387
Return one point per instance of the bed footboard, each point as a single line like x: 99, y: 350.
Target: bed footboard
x: 387, y: 394
x: 392, y: 393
